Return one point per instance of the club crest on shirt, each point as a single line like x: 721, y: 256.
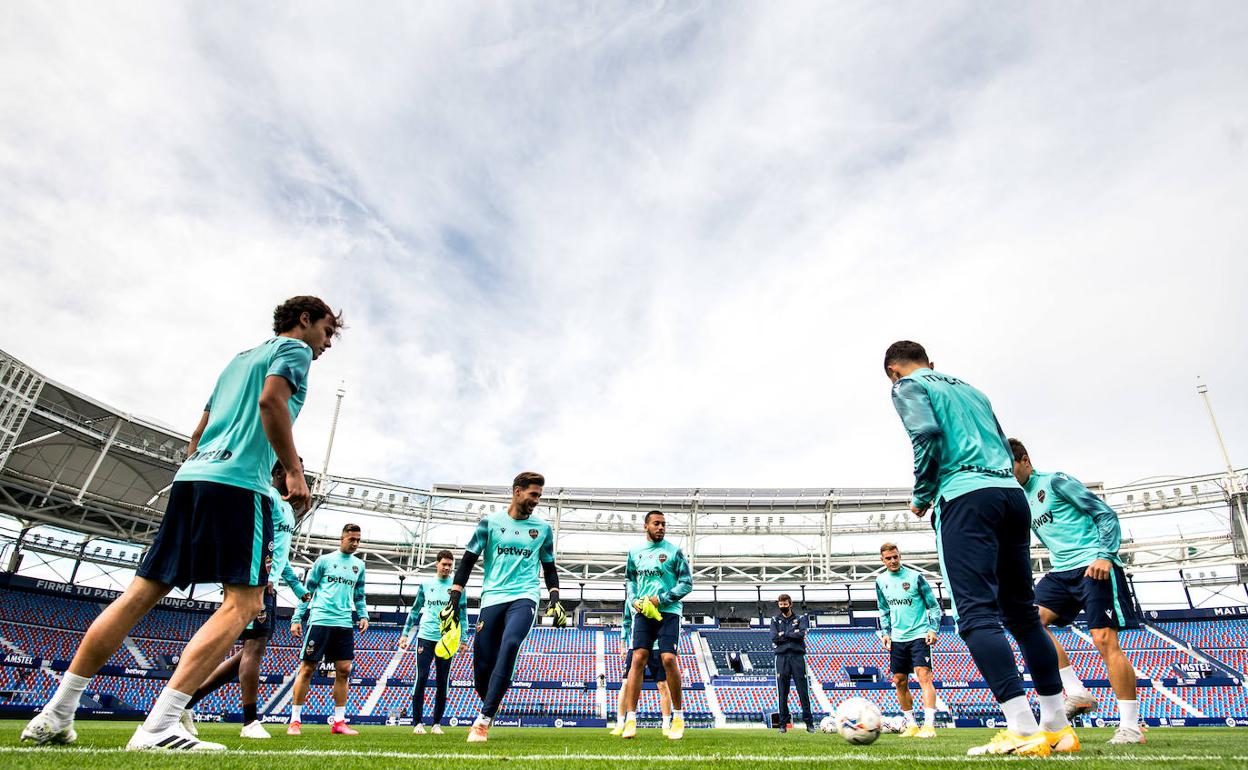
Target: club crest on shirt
x: 905, y: 586
x: 662, y: 558
x: 356, y: 570
x: 533, y: 533
x: 1040, y: 496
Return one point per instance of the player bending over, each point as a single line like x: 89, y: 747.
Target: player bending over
x: 511, y: 545
x: 217, y: 527
x: 657, y: 577
x: 432, y: 596
x: 964, y: 467
x: 336, y: 582
x: 1083, y: 535
x: 909, y: 621
x: 244, y: 665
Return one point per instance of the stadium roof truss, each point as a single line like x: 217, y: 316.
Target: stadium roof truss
x: 70, y: 462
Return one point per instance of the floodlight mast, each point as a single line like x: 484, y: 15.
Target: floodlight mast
x: 1235, y: 490
x: 318, y: 487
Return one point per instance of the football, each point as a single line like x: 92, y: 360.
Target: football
x: 858, y: 721
x: 827, y: 725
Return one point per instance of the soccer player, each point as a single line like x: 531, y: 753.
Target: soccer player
x: 654, y: 672
x: 217, y: 527
x: 432, y: 595
x: 336, y: 582
x: 788, y: 634
x: 245, y: 664
x: 657, y: 577
x: 963, y: 465
x: 1083, y: 535
x: 511, y: 545
x: 909, y: 620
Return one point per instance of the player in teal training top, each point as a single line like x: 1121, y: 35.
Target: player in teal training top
x: 657, y: 577
x: 513, y: 546
x: 1082, y: 534
x: 964, y: 468
x: 909, y: 621
x: 336, y: 582
x: 654, y: 672
x: 432, y: 595
x: 244, y: 665
x: 217, y: 527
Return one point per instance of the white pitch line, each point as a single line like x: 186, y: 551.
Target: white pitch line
x: 671, y: 759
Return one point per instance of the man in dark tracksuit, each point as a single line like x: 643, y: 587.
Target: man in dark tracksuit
x: 788, y: 634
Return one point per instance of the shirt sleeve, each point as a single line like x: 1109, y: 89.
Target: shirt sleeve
x: 913, y: 405
x: 630, y: 576
x: 314, y: 582
x: 886, y: 620
x: 684, y: 580
x: 777, y: 634
x: 291, y: 362
x: 929, y: 600
x: 547, y: 554
x: 803, y: 625
x: 1108, y: 529
x: 361, y: 607
x: 480, y: 539
x: 291, y: 579
x: 413, y: 615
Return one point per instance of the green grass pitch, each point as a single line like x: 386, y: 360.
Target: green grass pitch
x: 100, y: 746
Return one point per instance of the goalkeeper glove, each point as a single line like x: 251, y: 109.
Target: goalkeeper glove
x: 449, y: 615
x: 555, y: 610
x: 645, y: 607
x: 448, y: 645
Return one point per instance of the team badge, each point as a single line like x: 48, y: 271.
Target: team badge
x: 480, y: 625
x: 420, y: 650
x: 662, y: 558
x: 356, y: 570
x: 533, y: 533
x: 1040, y: 496
x: 905, y: 586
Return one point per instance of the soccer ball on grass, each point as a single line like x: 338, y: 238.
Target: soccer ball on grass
x: 858, y: 721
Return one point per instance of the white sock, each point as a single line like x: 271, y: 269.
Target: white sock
x: 1129, y: 713
x: 1053, y: 713
x: 619, y: 716
x: 1018, y: 717
x: 667, y: 721
x: 678, y: 714
x: 296, y: 713
x: 1072, y: 682
x: 909, y: 715
x: 929, y: 717
x: 166, y: 710
x: 340, y: 713
x: 65, y: 701
x: 631, y: 716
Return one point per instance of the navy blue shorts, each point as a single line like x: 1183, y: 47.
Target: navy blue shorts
x: 905, y: 657
x: 1107, y: 602
x: 331, y: 643
x: 791, y: 665
x: 654, y: 667
x: 211, y: 533
x: 665, y: 631
x: 262, y: 626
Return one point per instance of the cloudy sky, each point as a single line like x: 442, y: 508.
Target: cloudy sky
x: 642, y: 243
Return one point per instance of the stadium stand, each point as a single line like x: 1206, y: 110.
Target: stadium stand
x: 49, y: 627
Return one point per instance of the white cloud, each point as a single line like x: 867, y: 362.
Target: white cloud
x: 641, y: 245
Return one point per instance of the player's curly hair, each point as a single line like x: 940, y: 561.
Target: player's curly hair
x: 286, y: 315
